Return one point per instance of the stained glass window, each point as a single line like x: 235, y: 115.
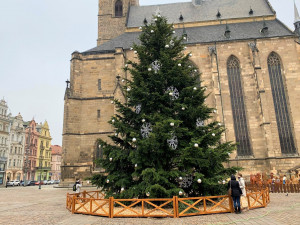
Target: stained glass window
x: 238, y: 107
x: 286, y: 138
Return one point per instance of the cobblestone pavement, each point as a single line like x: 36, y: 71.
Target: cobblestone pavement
x: 29, y: 205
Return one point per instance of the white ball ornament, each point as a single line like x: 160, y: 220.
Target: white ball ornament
x: 149, y: 69
x: 123, y: 80
x: 113, y: 121
x: 140, y: 28
x: 172, y: 124
x: 180, y: 178
x: 167, y: 46
x: 174, y: 32
x: 135, y: 52
x: 224, y: 182
x: 215, y: 111
x: 155, y: 19
x: 194, y: 88
x: 228, y: 153
x: 128, y: 89
x: 107, y: 181
x: 171, y: 93
x: 158, y: 15
x: 112, y: 102
x: 152, y: 31
x: 126, y: 65
x: 136, y: 165
x: 134, y: 139
x: 185, y: 48
x: 219, y: 182
x: 183, y: 108
x: 116, y: 134
x: 184, y: 38
x: 179, y: 64
x: 213, y: 134
x: 110, y: 159
x: 219, y: 124
x: 196, y: 145
x: 199, y: 181
x: 122, y: 189
x: 148, y: 194
x: 191, y: 54
x: 143, y: 120
x: 180, y: 193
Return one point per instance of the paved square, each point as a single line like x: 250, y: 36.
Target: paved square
x: 30, y: 205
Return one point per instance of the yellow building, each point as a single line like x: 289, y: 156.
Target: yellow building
x: 43, y: 152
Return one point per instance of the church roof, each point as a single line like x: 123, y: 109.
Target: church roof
x: 205, y: 34
x: 206, y: 11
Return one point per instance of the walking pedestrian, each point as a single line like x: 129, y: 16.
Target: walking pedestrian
x: 284, y: 179
x: 236, y: 193
x: 78, y: 186
x: 243, y: 188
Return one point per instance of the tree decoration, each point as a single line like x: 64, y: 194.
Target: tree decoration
x: 190, y: 54
x: 167, y: 46
x: 149, y: 69
x: 172, y: 124
x: 172, y: 43
x: 173, y: 92
x: 140, y: 28
x: 196, y: 145
x: 113, y: 121
x: 152, y: 31
x: 133, y: 139
x: 122, y: 189
x: 194, y: 88
x: 146, y: 130
x: 213, y: 134
x: 183, y: 108
x: 156, y: 66
x: 148, y: 194
x: 135, y: 52
x: 173, y: 142
x: 199, y: 122
x: 224, y: 182
x: 179, y: 64
x: 138, y: 109
x: 186, y: 182
x: 107, y: 181
x: 136, y: 165
x: 110, y: 159
x: 199, y: 181
x: 112, y: 102
x: 180, y: 193
x: 143, y: 120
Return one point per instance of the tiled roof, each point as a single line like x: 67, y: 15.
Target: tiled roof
x: 56, y: 150
x: 205, y: 34
x: 206, y: 11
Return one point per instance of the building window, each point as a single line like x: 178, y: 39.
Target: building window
x: 119, y: 8
x: 280, y: 101
x: 99, y: 84
x: 98, y: 113
x: 238, y: 107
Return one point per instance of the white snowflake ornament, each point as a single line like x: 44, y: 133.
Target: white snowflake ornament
x: 155, y: 66
x: 172, y: 43
x: 173, y: 142
x: 199, y: 123
x: 146, y: 130
x: 138, y: 109
x: 186, y: 182
x: 174, y: 91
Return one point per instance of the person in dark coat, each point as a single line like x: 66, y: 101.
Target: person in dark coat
x: 236, y: 193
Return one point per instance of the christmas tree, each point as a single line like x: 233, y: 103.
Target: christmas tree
x: 166, y: 142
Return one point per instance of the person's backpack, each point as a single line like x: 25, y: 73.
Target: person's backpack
x: 74, y: 187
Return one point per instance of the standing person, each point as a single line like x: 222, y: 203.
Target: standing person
x: 243, y: 188
x: 284, y: 179
x: 78, y: 186
x: 235, y: 193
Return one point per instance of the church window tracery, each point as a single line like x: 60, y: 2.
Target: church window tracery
x: 280, y: 101
x: 238, y: 107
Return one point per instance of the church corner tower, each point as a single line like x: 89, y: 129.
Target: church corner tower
x: 297, y: 21
x: 112, y: 18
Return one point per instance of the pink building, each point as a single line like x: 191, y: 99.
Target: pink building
x: 56, y: 162
x: 31, y: 146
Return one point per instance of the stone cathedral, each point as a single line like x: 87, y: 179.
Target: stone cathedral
x: 249, y: 62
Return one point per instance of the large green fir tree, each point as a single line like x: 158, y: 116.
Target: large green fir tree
x: 163, y: 143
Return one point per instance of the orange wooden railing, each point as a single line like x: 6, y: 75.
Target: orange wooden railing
x: 94, y: 203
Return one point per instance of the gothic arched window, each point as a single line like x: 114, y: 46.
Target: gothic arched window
x: 281, y: 105
x: 238, y: 107
x: 118, y: 8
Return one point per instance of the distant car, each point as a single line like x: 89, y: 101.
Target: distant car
x: 13, y: 183
x: 29, y: 183
x: 38, y: 182
x: 51, y: 182
x: 45, y: 182
x: 56, y: 181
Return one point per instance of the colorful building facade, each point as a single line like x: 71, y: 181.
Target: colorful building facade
x: 43, y: 152
x: 56, y: 151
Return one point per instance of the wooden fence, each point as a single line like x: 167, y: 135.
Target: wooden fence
x: 94, y: 203
x: 276, y: 188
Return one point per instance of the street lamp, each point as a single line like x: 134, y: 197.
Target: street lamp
x: 41, y: 167
x: 26, y: 156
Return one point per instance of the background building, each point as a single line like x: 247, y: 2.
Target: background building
x: 43, y: 152
x: 56, y: 159
x: 16, y: 151
x: 4, y: 139
x: 31, y: 145
x: 250, y: 64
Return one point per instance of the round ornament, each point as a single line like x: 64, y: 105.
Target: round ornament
x: 149, y: 69
x: 199, y: 181
x: 140, y: 28
x: 148, y: 194
x: 110, y: 159
x: 136, y: 165
x: 107, y: 181
x: 180, y: 178
x: 194, y: 88
x: 122, y: 189
x: 112, y: 102
x: 224, y: 182
x: 172, y: 124
x: 171, y: 93
x: 152, y: 31
x: 183, y: 108
x: 135, y: 52
x: 128, y: 89
x: 191, y: 54
x: 143, y: 120
x: 131, y: 49
x: 179, y: 64
x: 213, y: 134
x: 184, y: 38
x: 219, y: 124
x: 196, y: 145
x: 174, y: 32
x: 113, y: 121
x: 167, y: 46
x: 180, y: 193
x: 133, y: 139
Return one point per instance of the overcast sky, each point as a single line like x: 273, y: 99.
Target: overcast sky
x: 36, y: 41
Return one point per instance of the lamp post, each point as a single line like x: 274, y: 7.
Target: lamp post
x: 41, y: 167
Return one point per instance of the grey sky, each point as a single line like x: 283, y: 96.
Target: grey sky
x: 36, y: 41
